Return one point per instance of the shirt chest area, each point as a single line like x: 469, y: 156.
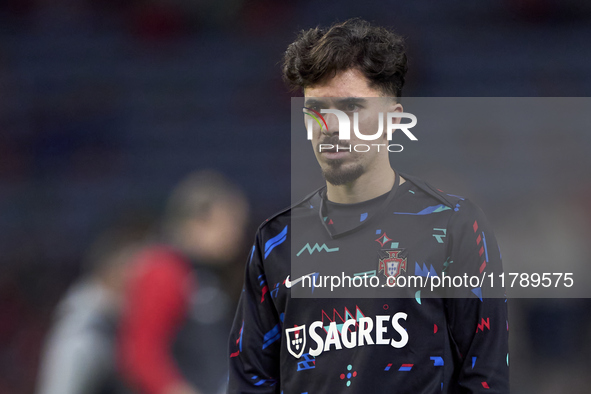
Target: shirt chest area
x: 367, y: 262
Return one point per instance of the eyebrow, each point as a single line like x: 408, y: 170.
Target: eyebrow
x: 313, y: 102
x: 339, y: 102
x: 351, y: 100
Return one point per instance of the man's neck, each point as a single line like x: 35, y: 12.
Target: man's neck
x: 370, y: 185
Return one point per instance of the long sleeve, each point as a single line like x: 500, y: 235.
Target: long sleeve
x: 155, y: 306
x: 255, y: 337
x: 78, y: 355
x: 477, y: 317
x: 75, y: 364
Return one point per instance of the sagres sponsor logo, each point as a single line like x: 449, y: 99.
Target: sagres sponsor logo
x: 344, y: 123
x: 296, y: 340
x: 317, y: 248
x: 363, y: 331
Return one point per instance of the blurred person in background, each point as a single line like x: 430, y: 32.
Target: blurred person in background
x: 178, y: 310
x: 79, y: 354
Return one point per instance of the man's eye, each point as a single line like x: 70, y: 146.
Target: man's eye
x: 351, y: 107
x: 313, y: 108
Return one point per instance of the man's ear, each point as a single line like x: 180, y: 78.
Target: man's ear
x: 395, y: 106
x: 392, y: 106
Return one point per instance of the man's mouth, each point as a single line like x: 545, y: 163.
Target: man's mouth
x: 333, y: 148
x: 334, y: 151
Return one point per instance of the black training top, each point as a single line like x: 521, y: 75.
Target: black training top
x: 381, y: 328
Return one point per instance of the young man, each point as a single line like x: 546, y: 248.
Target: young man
x: 388, y: 225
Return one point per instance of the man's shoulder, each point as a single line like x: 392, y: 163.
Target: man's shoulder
x: 448, y: 199
x: 462, y: 210
x: 159, y: 260
x: 282, y: 218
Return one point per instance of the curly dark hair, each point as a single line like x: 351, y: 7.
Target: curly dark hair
x: 319, y: 53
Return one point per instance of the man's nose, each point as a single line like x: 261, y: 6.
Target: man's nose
x: 332, y: 122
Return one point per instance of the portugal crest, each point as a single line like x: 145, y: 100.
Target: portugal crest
x: 392, y: 265
x: 296, y: 340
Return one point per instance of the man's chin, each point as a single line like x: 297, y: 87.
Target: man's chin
x: 337, y: 175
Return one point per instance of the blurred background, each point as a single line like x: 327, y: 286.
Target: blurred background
x: 106, y: 105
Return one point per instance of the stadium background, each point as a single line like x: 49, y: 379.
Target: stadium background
x: 104, y: 107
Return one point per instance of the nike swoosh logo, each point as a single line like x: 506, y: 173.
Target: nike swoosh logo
x: 289, y: 283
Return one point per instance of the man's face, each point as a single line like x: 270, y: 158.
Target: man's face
x: 215, y: 238
x: 348, y: 91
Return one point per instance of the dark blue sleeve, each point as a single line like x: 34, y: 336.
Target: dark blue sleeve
x: 477, y: 316
x: 255, y: 337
